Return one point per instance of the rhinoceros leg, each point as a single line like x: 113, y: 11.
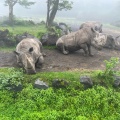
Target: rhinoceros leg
x: 84, y: 47
x: 65, y: 52
x: 61, y: 47
x: 89, y: 49
x: 39, y: 62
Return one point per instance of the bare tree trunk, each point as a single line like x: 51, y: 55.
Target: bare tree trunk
x: 11, y: 14
x: 53, y: 13
x: 48, y: 12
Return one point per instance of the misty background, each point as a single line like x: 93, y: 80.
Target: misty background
x: 83, y: 10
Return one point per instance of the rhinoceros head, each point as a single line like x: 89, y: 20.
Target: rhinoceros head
x: 99, y: 40
x: 27, y: 61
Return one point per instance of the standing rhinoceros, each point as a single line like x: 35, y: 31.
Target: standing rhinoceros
x: 96, y: 25
x: 79, y: 39
x: 29, y: 54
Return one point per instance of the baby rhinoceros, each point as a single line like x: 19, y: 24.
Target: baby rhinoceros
x: 79, y: 40
x: 29, y: 54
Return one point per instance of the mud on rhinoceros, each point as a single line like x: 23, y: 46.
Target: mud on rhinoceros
x: 29, y: 54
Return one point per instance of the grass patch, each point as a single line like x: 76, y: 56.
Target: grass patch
x: 50, y: 47
x: 7, y: 49
x: 30, y: 29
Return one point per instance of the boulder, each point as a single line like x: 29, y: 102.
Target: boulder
x: 40, y: 84
x: 59, y: 83
x: 86, y: 81
x: 116, y: 82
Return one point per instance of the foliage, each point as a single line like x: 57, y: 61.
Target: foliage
x: 65, y: 4
x: 32, y: 104
x: 12, y: 78
x: 40, y: 34
x: 71, y: 103
x: 25, y: 3
x: 109, y: 71
x: 24, y: 22
x: 56, y: 31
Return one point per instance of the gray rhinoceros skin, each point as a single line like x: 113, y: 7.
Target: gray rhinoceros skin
x: 96, y: 25
x: 29, y: 54
x: 76, y: 40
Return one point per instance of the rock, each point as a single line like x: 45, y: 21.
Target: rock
x: 49, y: 39
x: 116, y: 82
x: 15, y: 88
x: 40, y: 84
x: 20, y: 37
x: 110, y: 42
x: 59, y: 83
x: 86, y: 81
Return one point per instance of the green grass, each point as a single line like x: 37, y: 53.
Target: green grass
x: 7, y: 49
x: 21, y: 29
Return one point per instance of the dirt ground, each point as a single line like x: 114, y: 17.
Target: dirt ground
x: 56, y: 61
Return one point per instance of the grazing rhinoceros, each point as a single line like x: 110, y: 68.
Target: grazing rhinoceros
x: 96, y: 25
x: 79, y: 39
x: 29, y: 54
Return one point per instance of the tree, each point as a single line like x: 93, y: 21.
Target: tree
x: 53, y: 6
x: 12, y: 3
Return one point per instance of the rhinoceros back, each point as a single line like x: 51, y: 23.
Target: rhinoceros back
x: 27, y: 43
x: 69, y: 40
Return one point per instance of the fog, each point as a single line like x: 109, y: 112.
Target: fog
x: 83, y: 10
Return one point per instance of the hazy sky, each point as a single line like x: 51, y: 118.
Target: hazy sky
x: 102, y: 10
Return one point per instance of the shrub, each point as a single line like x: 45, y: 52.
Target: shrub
x: 109, y: 72
x: 12, y: 78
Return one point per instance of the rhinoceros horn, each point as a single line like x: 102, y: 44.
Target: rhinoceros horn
x: 30, y: 67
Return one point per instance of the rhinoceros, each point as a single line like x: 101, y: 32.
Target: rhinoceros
x: 29, y: 54
x: 79, y: 39
x: 96, y: 25
x: 109, y: 40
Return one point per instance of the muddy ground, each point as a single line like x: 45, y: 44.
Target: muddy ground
x: 56, y: 61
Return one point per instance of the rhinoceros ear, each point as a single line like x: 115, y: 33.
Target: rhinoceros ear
x: 31, y: 49
x: 16, y: 53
